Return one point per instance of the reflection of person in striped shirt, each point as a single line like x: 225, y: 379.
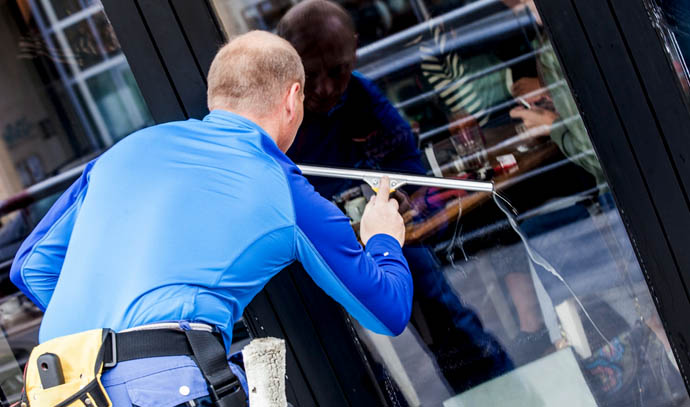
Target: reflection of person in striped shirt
x: 562, y: 122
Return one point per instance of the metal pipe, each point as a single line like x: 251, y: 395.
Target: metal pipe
x: 372, y: 50
x: 397, y: 180
x: 40, y: 190
x: 469, y: 78
x: 430, y: 135
x: 492, y: 28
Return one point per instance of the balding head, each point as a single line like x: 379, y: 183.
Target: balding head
x: 252, y: 73
x: 315, y: 22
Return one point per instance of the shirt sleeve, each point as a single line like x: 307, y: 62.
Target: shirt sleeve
x: 406, y: 156
x: 373, y: 284
x: 37, y: 264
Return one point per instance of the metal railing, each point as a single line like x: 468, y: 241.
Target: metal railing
x: 40, y: 190
x: 495, y: 27
x: 470, y: 12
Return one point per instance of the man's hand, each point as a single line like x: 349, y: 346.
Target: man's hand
x: 381, y: 216
x: 525, y: 86
x: 537, y: 120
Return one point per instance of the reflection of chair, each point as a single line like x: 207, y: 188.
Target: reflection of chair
x: 495, y: 295
x: 571, y: 323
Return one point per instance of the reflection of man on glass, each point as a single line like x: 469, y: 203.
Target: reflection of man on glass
x: 349, y: 123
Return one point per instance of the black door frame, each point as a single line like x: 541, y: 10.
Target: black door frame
x: 631, y: 105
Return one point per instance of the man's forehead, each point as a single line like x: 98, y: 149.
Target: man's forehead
x: 324, y: 37
x: 327, y: 59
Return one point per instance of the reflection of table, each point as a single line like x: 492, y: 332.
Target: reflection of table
x: 527, y: 163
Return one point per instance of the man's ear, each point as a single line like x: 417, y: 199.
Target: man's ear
x: 294, y: 99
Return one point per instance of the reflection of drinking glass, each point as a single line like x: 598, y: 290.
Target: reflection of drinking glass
x: 464, y: 150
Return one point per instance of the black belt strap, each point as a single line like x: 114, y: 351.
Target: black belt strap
x: 204, y: 347
x: 123, y: 346
x: 225, y: 389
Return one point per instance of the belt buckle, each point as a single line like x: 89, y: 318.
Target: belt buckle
x: 230, y: 394
x: 113, y: 354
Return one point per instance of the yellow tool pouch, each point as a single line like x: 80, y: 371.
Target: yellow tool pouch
x: 80, y: 363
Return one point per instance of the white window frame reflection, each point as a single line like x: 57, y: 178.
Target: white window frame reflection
x: 86, y: 108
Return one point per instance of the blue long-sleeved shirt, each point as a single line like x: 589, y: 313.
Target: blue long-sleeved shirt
x: 188, y: 221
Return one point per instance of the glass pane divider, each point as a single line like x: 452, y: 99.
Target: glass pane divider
x: 99, y: 68
x: 76, y: 17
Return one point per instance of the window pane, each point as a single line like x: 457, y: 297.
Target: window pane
x: 531, y: 297
x: 67, y: 93
x: 119, y: 101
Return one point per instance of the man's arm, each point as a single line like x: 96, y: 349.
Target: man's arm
x: 38, y: 261
x: 405, y: 156
x: 373, y: 284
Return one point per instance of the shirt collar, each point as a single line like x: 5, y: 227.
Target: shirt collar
x: 229, y: 119
x: 226, y: 118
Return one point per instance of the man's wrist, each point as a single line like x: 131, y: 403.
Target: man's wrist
x: 382, y: 242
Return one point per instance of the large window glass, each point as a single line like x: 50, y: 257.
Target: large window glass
x: 66, y: 94
x: 530, y: 297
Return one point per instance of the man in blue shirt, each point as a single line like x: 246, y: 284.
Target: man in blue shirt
x: 187, y: 221
x: 348, y: 122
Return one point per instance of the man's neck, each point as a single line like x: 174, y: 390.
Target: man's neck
x: 266, y: 123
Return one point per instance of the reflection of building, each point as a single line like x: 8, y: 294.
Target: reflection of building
x: 91, y: 66
x: 29, y: 122
x: 67, y: 88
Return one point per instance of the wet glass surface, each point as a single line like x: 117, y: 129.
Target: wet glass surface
x: 671, y: 18
x: 532, y: 297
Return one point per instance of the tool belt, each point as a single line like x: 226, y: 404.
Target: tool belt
x: 66, y: 371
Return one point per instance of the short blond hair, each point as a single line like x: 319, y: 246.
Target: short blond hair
x: 252, y: 72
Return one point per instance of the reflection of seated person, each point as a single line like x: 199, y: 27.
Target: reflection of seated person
x: 561, y: 122
x: 349, y: 123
